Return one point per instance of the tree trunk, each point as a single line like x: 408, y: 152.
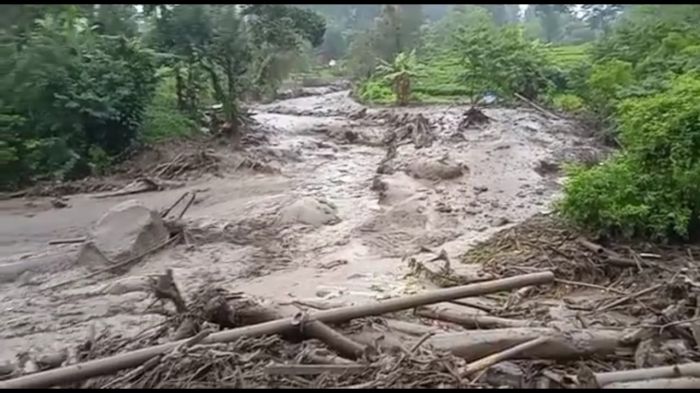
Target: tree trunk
x: 179, y: 89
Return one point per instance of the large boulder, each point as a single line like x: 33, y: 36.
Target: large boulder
x: 127, y: 230
x: 430, y: 169
x: 309, y: 211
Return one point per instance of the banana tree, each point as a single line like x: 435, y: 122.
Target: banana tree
x: 399, y: 72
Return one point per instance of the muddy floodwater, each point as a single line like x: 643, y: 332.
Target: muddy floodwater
x: 326, y: 227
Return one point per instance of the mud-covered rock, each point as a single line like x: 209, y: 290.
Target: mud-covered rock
x: 432, y: 169
x: 309, y: 211
x: 127, y: 230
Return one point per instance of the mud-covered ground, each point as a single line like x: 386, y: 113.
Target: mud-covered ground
x: 324, y: 226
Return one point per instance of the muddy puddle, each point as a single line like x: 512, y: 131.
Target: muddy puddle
x: 326, y: 227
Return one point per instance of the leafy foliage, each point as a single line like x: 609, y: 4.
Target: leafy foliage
x: 399, y: 73
x: 66, y: 90
x: 651, y: 188
x: 501, y: 60
x: 78, y: 82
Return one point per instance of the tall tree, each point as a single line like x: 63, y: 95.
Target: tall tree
x: 397, y: 29
x: 601, y: 16
x: 550, y: 18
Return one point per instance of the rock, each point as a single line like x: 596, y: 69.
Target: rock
x: 323, y: 292
x: 505, y: 374
x: 434, y: 170
x: 127, y: 230
x: 59, y: 203
x: 351, y: 136
x: 359, y: 114
x: 310, y: 211
x: 500, y: 221
x: 480, y: 189
x: 127, y: 285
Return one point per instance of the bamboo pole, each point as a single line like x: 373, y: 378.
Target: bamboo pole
x: 641, y: 374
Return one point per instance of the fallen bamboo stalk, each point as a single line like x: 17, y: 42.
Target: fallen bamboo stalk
x: 187, y: 206
x: 665, y: 383
x: 490, y: 360
x: 573, y: 344
x: 469, y: 321
x: 596, y: 248
x: 334, y: 339
x: 643, y: 374
x: 122, y: 361
x: 67, y: 241
x: 168, y: 210
x: 147, y: 185
x: 314, y: 369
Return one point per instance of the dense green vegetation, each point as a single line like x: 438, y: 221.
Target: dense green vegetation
x: 82, y: 84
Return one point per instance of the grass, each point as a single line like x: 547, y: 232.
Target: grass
x: 569, y: 55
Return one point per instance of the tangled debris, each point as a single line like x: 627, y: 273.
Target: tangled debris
x: 551, y: 335
x: 472, y: 117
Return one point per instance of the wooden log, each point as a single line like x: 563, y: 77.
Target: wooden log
x: 642, y: 374
x: 122, y: 361
x: 469, y: 321
x: 665, y: 383
x: 501, y: 356
x: 335, y: 340
x: 412, y: 329
x: 572, y: 344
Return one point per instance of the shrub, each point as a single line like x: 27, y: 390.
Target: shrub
x: 376, y: 91
x: 568, y: 102
x: 652, y: 188
x: 65, y: 90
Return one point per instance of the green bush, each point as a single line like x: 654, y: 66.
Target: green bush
x: 376, y: 91
x: 568, y: 102
x: 606, y: 83
x: 66, y: 89
x: 652, y: 188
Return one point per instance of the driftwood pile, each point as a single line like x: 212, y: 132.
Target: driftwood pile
x: 251, y: 355
x: 636, y: 306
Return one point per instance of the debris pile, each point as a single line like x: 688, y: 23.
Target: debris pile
x: 472, y: 117
x: 250, y: 356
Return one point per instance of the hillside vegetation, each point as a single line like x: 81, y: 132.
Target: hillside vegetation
x: 83, y: 85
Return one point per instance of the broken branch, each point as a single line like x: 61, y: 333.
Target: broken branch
x: 490, y: 360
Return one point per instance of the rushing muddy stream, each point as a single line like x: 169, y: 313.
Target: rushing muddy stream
x: 327, y: 227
